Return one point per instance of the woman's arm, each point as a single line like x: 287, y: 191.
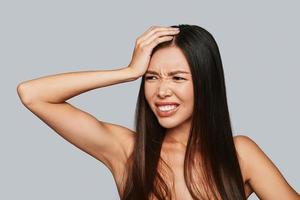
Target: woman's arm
x: 61, y: 87
x: 46, y: 98
x: 264, y: 177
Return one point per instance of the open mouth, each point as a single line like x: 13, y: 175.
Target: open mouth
x: 167, y: 110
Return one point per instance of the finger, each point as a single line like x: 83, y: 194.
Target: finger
x: 152, y: 30
x: 158, y: 28
x: 159, y: 34
x: 155, y: 29
x: 159, y: 40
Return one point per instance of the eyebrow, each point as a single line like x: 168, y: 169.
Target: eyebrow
x: 170, y: 73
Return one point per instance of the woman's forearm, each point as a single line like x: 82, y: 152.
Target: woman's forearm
x: 61, y: 87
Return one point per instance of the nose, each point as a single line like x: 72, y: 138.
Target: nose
x: 163, y: 89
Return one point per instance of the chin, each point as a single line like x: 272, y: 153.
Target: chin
x: 173, y: 122
x: 167, y: 126
x: 167, y: 123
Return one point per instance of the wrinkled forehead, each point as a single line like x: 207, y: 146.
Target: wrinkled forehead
x: 167, y: 60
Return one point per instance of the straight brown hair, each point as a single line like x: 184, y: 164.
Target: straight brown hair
x: 211, y: 161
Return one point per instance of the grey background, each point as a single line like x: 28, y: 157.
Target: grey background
x: 259, y: 44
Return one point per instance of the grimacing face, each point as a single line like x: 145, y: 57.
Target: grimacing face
x: 161, y: 86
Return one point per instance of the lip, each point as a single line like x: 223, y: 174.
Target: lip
x: 166, y: 113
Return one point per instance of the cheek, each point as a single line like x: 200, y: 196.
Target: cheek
x: 148, y: 92
x: 187, y: 92
x: 188, y: 96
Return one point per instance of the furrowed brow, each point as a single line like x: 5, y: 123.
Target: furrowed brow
x: 170, y: 73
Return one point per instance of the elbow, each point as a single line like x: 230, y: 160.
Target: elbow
x: 23, y: 93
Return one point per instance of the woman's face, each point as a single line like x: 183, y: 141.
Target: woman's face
x: 161, y: 86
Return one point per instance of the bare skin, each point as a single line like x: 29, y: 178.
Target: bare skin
x: 173, y: 153
x: 112, y: 144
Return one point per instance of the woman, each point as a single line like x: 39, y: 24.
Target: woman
x: 182, y: 146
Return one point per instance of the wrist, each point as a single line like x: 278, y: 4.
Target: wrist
x: 132, y: 73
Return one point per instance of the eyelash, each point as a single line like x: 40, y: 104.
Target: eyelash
x: 149, y: 77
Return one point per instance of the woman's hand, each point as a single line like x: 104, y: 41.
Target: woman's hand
x: 145, y: 44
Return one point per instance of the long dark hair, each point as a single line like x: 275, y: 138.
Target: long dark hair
x: 210, y: 147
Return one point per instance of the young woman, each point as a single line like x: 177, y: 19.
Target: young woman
x: 182, y: 147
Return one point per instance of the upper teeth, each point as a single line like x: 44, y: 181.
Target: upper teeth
x: 167, y: 107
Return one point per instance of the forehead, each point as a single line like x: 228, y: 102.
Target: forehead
x: 168, y: 59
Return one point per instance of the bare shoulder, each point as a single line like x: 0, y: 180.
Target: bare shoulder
x: 240, y: 141
x: 262, y: 174
x: 125, y: 137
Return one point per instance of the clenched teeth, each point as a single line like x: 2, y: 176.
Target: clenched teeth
x: 167, y: 108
